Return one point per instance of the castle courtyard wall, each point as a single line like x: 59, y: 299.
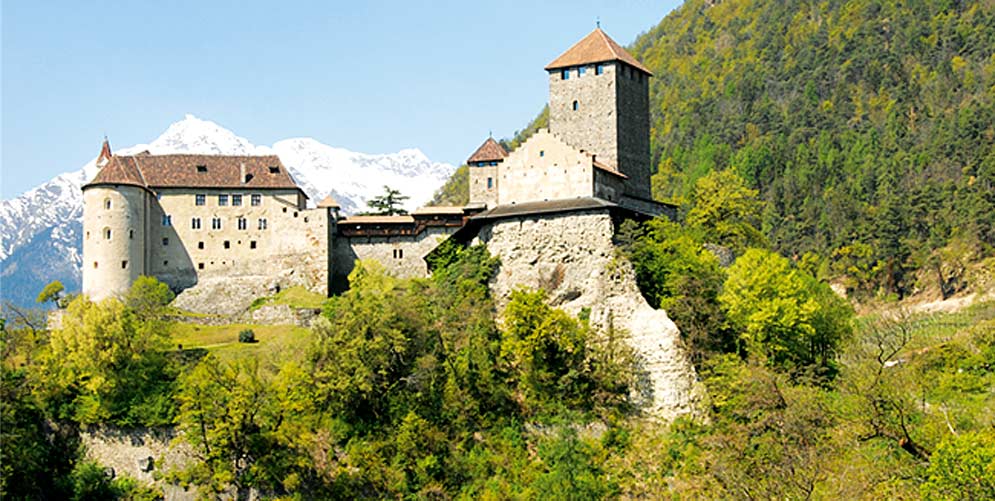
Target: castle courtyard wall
x: 401, y: 255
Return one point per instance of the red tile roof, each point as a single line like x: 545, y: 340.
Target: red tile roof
x: 597, y: 47
x: 490, y: 151
x: 196, y: 171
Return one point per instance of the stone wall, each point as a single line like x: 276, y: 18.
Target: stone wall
x: 128, y: 452
x: 634, y: 130
x: 593, y: 126
x: 480, y: 190
x: 402, y: 255
x: 114, y: 236
x: 572, y: 255
x: 544, y: 167
x: 293, y: 238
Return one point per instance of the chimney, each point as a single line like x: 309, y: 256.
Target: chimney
x: 242, y: 172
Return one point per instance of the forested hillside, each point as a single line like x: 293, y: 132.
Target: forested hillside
x: 866, y: 126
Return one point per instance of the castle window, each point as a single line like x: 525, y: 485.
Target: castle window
x: 542, y: 153
x: 200, y: 266
x: 581, y: 70
x: 576, y: 105
x: 124, y: 265
x: 398, y: 253
x: 490, y: 183
x: 200, y: 199
x: 262, y: 223
x: 295, y: 213
x: 599, y: 69
x: 94, y: 265
x: 107, y: 233
x: 565, y: 74
x: 195, y: 223
x: 167, y: 220
x: 165, y: 241
x: 493, y: 163
x: 242, y: 223
x: 165, y: 263
x: 274, y: 169
x: 252, y: 244
x: 201, y: 168
x: 256, y: 200
x: 200, y: 245
x: 107, y: 203
x: 216, y: 223
x: 236, y: 200
x: 227, y: 244
x: 88, y: 235
x: 222, y: 200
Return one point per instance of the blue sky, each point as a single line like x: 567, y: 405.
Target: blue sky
x: 373, y: 77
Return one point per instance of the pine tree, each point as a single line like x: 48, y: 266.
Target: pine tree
x: 388, y: 204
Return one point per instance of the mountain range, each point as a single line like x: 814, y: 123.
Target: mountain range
x: 40, y: 229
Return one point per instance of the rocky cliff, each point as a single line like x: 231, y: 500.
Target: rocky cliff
x: 573, y: 257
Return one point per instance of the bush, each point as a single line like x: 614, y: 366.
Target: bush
x: 247, y: 336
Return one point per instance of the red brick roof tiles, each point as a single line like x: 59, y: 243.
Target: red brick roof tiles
x: 196, y: 171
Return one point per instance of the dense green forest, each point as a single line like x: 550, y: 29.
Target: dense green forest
x: 867, y: 126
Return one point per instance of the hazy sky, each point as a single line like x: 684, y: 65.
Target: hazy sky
x: 373, y: 77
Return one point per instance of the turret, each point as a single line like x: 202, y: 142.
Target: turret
x: 115, y: 205
x: 483, y: 165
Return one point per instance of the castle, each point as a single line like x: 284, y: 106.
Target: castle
x: 190, y: 219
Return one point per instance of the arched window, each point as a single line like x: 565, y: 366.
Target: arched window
x: 107, y: 233
x: 575, y: 105
x: 107, y: 203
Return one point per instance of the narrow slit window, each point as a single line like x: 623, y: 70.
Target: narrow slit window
x: 124, y: 265
x: 576, y: 105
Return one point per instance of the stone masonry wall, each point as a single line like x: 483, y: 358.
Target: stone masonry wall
x: 593, y: 126
x: 573, y: 257
x: 544, y: 167
x: 128, y: 453
x: 402, y: 255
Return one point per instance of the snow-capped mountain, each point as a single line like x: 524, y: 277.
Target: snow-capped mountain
x: 40, y: 230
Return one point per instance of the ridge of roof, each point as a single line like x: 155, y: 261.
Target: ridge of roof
x: 490, y: 150
x: 596, y: 47
x: 186, y: 170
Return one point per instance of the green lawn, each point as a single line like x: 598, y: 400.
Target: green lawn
x: 274, y: 342
x: 296, y: 297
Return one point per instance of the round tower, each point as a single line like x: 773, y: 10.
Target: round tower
x: 114, y: 222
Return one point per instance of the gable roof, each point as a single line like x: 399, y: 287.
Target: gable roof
x: 196, y: 171
x: 596, y: 47
x: 491, y: 150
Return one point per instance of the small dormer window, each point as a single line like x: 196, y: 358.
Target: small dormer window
x: 248, y: 177
x: 273, y: 169
x: 201, y: 168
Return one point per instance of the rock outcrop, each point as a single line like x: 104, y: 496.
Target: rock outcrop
x: 572, y: 256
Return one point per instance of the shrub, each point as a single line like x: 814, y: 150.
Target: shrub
x: 247, y: 336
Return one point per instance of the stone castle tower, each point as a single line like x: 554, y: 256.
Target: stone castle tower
x: 115, y: 220
x: 599, y: 103
x: 597, y: 143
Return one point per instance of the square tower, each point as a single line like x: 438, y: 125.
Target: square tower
x: 599, y: 103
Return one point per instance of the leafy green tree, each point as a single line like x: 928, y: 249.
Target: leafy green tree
x: 388, y: 204
x: 675, y: 272
x: 963, y: 467
x: 727, y: 211
x: 107, y: 363
x: 148, y: 298
x: 52, y: 292
x: 784, y: 314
